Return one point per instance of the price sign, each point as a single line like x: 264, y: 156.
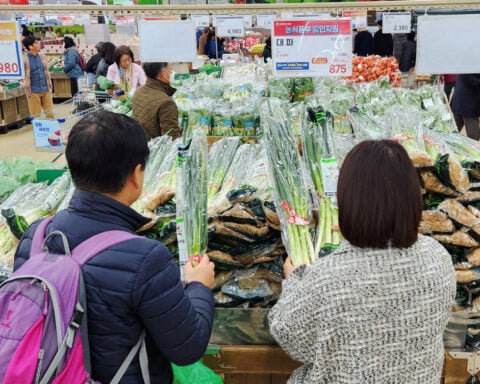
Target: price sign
x: 359, y: 18
x: 304, y: 16
x: 265, y: 20
x: 312, y: 48
x: 201, y: 20
x: 11, y: 64
x: 397, y: 22
x: 47, y: 134
x: 230, y: 26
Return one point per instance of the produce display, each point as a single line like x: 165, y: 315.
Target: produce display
x: 372, y: 68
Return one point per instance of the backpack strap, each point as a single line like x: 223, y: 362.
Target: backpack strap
x: 98, y: 243
x: 39, y: 236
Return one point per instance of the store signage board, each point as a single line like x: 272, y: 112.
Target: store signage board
x: 304, y: 16
x: 174, y: 41
x: 11, y: 63
x: 122, y: 21
x: 47, y: 135
x: 265, y: 20
x: 460, y: 33
x: 359, y: 18
x: 96, y: 32
x: 247, y: 20
x: 397, y: 22
x: 230, y: 26
x: 66, y: 20
x: 312, y: 47
x: 201, y: 20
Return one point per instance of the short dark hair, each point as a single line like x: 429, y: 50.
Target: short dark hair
x: 103, y: 150
x: 28, y: 41
x: 379, y: 197
x: 68, y: 41
x: 107, y: 51
x: 120, y: 51
x: 380, y: 22
x: 153, y: 69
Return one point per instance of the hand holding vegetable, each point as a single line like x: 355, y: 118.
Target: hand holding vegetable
x: 202, y: 271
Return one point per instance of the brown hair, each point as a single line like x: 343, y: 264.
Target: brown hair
x: 379, y: 198
x: 120, y: 51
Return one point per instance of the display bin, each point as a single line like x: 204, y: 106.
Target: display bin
x: 253, y: 364
x: 8, y: 111
x: 61, y: 85
x: 22, y: 108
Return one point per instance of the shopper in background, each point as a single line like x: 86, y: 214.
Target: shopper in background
x: 448, y: 84
x: 37, y: 82
x: 152, y: 105
x: 134, y: 286
x: 374, y: 310
x: 267, y: 50
x: 107, y: 52
x: 214, y: 46
x: 49, y: 34
x: 409, y: 53
x: 92, y: 65
x: 398, y: 40
x: 124, y: 72
x: 382, y: 42
x: 202, y: 41
x: 198, y: 34
x: 26, y: 32
x: 466, y: 104
x: 71, y: 63
x: 363, y: 43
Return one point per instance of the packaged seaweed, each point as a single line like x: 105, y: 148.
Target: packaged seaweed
x: 473, y: 257
x: 467, y: 276
x: 432, y: 183
x: 458, y: 213
x: 450, y: 171
x: 435, y: 222
x: 459, y: 238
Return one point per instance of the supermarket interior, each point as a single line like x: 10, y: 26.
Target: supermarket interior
x: 253, y: 113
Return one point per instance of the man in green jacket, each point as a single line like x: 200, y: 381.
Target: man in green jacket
x: 152, y: 105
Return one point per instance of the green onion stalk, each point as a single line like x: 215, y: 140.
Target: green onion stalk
x: 320, y: 160
x: 291, y: 193
x: 191, y: 197
x: 220, y: 157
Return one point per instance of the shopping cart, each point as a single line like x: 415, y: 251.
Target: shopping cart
x: 51, y: 135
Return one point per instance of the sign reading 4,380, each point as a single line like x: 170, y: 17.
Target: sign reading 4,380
x: 11, y: 65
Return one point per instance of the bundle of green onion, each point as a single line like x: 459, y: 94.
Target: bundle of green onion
x: 191, y: 197
x: 291, y: 192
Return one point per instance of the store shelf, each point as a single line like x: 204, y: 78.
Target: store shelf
x: 246, y: 8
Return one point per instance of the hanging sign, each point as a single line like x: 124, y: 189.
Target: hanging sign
x: 304, y: 16
x: 230, y: 26
x: 312, y: 48
x: 265, y: 20
x: 47, y: 134
x: 397, y: 22
x: 359, y: 18
x: 66, y: 20
x: 122, y: 21
x: 11, y: 63
x: 201, y: 20
x: 174, y: 41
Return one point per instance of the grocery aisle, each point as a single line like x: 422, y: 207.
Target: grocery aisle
x: 19, y: 142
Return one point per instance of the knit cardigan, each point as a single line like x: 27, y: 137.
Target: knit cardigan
x: 369, y: 316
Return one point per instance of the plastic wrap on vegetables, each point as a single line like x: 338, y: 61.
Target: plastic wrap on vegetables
x: 296, y: 117
x: 199, y: 117
x: 290, y: 189
x: 302, y: 87
x: 191, y: 197
x: 244, y: 116
x: 238, y: 90
x: 467, y: 151
x: 234, y: 177
x: 8, y: 246
x: 343, y: 143
x: 220, y: 157
x: 365, y: 127
x: 280, y: 88
x: 222, y: 122
x: 406, y: 131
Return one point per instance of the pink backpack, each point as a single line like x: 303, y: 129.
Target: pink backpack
x: 43, y: 322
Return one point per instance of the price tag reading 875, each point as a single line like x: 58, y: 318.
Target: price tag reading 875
x: 397, y: 22
x: 230, y: 26
x: 312, y: 47
x: 11, y: 64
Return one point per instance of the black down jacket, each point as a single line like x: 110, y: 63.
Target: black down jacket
x: 132, y: 286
